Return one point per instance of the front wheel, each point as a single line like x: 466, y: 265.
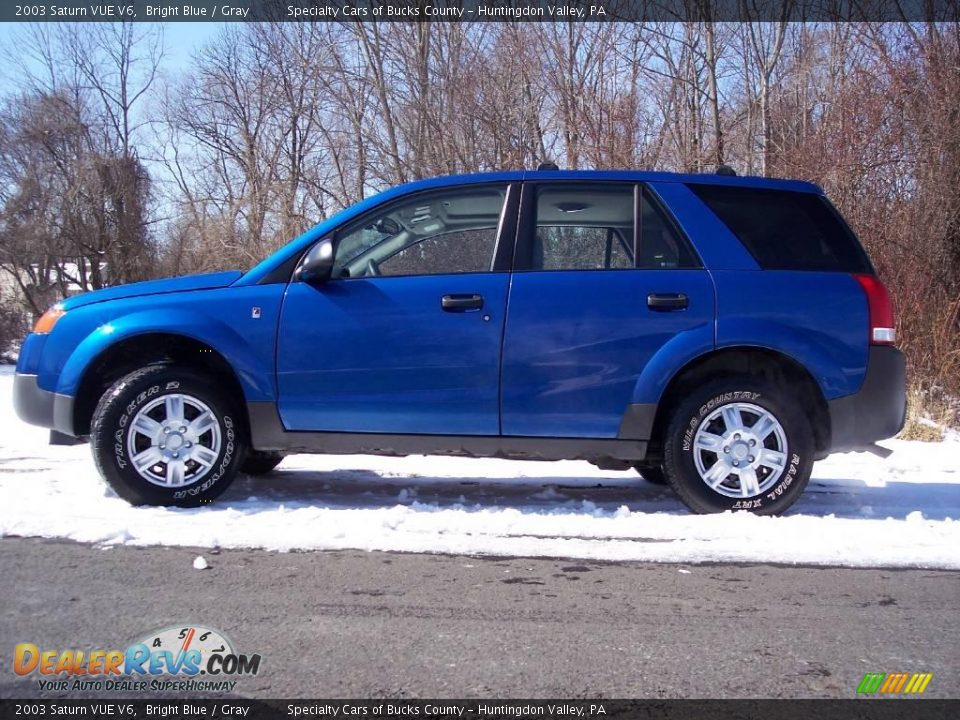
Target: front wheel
x: 166, y: 435
x: 738, y: 444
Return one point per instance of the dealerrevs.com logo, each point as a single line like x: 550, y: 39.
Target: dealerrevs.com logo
x: 177, y: 658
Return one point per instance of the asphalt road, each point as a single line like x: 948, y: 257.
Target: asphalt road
x: 357, y: 624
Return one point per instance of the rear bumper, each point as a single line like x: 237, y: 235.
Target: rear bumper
x: 878, y: 410
x: 41, y: 407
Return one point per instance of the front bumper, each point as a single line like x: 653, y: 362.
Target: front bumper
x: 41, y: 407
x: 878, y: 410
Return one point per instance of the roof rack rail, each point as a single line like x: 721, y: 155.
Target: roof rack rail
x: 548, y: 165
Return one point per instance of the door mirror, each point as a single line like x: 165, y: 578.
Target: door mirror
x: 317, y: 264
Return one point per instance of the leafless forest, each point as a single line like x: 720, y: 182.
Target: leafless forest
x: 115, y: 169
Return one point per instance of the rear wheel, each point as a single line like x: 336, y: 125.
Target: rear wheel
x: 738, y: 444
x: 166, y: 435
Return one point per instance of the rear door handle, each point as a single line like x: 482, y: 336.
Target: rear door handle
x: 461, y: 303
x: 667, y: 301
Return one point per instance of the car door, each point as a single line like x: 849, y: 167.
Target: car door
x: 406, y: 335
x: 603, y: 281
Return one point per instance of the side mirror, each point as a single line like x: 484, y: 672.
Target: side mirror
x: 317, y: 264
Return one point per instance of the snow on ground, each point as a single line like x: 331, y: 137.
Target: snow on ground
x: 858, y: 510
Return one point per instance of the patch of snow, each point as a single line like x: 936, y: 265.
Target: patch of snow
x: 549, y: 493
x: 859, y: 510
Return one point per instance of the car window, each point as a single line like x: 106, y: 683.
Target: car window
x: 786, y: 230
x: 583, y: 228
x: 453, y: 252
x: 661, y: 246
x: 445, y: 232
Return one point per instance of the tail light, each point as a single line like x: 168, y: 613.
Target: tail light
x: 882, y: 328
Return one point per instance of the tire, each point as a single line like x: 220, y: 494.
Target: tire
x: 653, y: 474
x: 260, y: 463
x: 709, y: 414
x: 140, y: 417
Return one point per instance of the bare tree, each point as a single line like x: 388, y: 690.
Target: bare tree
x: 764, y: 42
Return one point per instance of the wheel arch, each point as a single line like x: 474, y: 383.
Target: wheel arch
x: 772, y: 365
x: 135, y: 351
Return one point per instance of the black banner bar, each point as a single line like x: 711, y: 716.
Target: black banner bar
x: 854, y: 709
x: 478, y: 10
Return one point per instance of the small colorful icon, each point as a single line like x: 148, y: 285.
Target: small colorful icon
x: 894, y: 683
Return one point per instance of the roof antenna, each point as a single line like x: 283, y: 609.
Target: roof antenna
x: 726, y: 170
x: 548, y: 165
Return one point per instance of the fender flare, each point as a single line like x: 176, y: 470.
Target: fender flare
x: 687, y: 349
x: 809, y: 349
x: 670, y: 359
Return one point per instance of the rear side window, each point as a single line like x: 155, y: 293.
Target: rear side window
x: 786, y: 230
x: 599, y: 226
x: 583, y: 228
x: 661, y: 246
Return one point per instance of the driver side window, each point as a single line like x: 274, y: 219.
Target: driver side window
x: 437, y: 233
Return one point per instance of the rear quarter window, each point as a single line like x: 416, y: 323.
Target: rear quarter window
x: 786, y: 230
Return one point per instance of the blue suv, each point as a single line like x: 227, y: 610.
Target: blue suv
x: 715, y: 333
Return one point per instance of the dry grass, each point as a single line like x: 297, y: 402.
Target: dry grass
x: 927, y: 416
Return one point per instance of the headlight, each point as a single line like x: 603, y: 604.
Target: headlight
x: 49, y: 319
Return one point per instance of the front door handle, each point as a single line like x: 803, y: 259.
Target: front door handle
x: 667, y: 301
x: 461, y: 303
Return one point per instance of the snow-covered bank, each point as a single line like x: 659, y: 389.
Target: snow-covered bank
x: 858, y: 510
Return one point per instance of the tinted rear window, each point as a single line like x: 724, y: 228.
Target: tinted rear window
x: 786, y: 230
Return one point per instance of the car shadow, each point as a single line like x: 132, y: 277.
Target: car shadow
x: 853, y: 498
x: 364, y: 489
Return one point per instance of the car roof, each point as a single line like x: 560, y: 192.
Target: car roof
x: 296, y: 246
x: 632, y: 176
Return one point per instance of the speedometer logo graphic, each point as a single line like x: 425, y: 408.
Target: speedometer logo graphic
x: 181, y: 639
